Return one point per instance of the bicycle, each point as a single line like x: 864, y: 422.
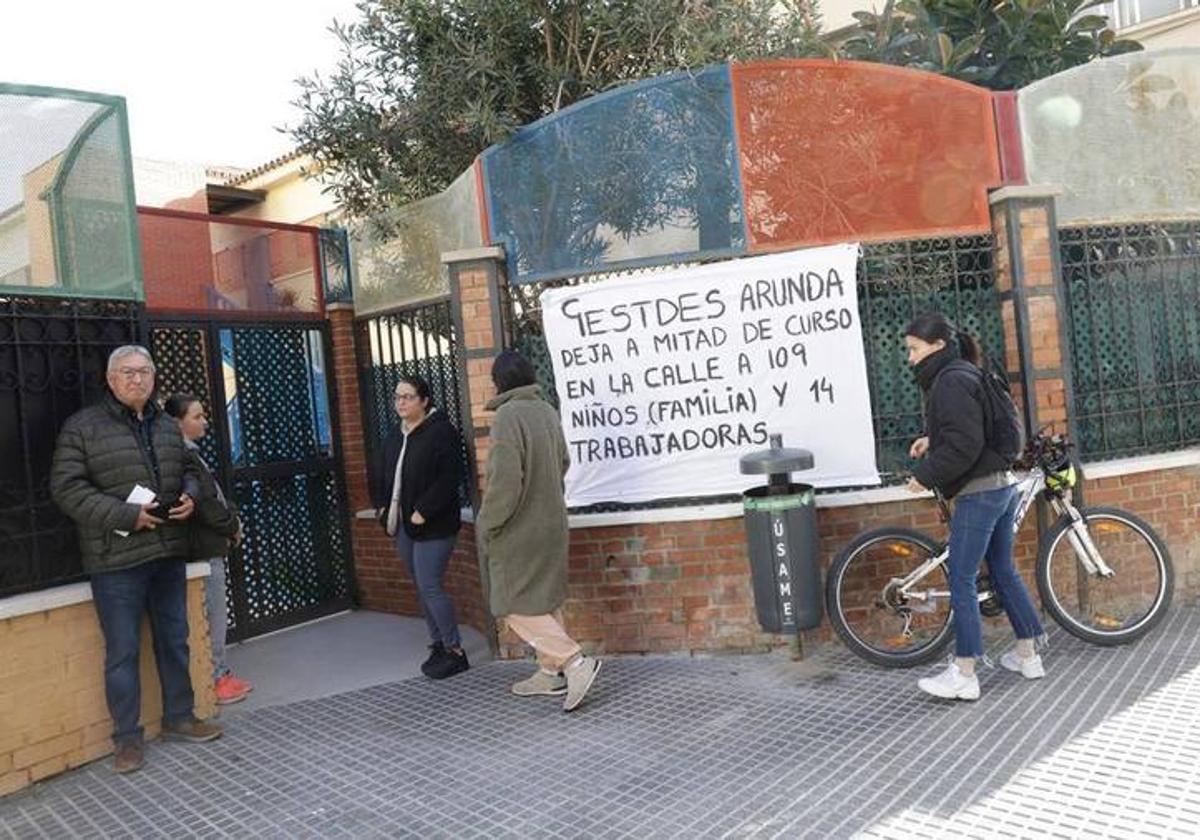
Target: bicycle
x: 1103, y: 574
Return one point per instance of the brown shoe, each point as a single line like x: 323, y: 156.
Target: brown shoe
x: 129, y: 757
x: 193, y: 730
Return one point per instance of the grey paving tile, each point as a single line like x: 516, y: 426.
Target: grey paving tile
x: 677, y: 747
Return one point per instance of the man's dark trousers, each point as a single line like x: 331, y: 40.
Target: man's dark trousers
x: 121, y: 598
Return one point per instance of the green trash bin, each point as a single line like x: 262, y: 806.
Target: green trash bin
x: 781, y: 535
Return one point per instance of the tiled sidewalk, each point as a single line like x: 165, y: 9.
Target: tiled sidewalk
x: 1108, y: 745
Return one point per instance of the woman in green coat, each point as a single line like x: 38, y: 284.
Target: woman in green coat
x: 522, y: 529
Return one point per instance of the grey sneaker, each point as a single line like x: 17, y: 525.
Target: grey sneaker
x: 540, y: 683
x: 580, y: 676
x: 1030, y: 669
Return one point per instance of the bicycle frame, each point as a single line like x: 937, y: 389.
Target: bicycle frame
x: 1032, y: 484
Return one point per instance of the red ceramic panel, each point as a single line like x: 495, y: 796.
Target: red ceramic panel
x: 838, y: 151
x: 199, y: 263
x: 177, y: 263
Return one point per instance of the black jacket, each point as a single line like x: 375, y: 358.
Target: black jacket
x: 430, y: 477
x: 99, y: 457
x: 215, y: 520
x: 956, y: 423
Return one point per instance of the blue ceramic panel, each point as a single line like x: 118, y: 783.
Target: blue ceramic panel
x: 640, y: 175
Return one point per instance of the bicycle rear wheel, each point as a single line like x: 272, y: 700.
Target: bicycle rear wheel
x: 867, y: 610
x: 1106, y: 611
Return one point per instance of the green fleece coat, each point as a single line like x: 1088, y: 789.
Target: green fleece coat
x: 522, y: 520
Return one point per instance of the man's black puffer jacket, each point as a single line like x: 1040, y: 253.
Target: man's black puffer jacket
x: 956, y: 423
x: 97, y: 461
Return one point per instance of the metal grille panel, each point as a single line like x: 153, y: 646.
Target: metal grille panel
x: 271, y: 440
x: 295, y: 555
x: 282, y: 407
x: 181, y: 363
x: 53, y: 357
x: 1133, y: 293
x: 897, y: 281
x: 421, y: 341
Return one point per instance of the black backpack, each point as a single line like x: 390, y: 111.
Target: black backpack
x: 1005, y: 433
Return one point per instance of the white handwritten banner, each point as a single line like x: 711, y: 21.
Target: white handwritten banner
x: 665, y: 381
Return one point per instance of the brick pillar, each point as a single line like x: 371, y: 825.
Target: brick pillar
x: 350, y: 442
x: 1032, y: 306
x: 476, y: 276
x: 1034, y: 311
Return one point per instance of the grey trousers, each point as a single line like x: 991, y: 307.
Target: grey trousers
x: 427, y: 561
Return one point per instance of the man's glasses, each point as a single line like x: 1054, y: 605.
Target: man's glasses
x: 135, y: 373
x: 405, y: 397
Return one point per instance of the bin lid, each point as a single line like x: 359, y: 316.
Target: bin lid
x: 777, y: 459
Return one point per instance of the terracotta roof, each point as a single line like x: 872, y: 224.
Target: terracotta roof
x: 250, y: 174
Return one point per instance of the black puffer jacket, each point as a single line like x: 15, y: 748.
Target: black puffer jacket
x: 956, y: 423
x: 97, y: 461
x: 430, y: 477
x: 215, y: 521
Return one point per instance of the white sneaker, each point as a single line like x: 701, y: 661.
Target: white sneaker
x: 951, y: 684
x: 1030, y: 669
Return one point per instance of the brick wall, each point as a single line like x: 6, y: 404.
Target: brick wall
x: 385, y: 584
x: 53, y: 714
x: 685, y: 586
x: 1170, y: 501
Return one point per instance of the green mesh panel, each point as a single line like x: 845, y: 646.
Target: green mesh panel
x: 1133, y: 293
x: 67, y: 212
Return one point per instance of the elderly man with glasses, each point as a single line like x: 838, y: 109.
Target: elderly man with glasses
x: 135, y: 553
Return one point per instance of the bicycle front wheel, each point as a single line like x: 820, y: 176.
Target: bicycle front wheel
x: 867, y: 609
x: 1106, y: 611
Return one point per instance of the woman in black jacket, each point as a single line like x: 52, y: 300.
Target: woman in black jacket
x: 957, y: 461
x: 213, y: 530
x: 417, y: 502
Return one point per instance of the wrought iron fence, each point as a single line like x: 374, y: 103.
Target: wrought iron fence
x: 53, y: 358
x: 420, y: 341
x: 896, y: 281
x: 1133, y: 297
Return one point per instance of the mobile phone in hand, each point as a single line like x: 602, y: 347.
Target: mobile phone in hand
x: 163, y: 509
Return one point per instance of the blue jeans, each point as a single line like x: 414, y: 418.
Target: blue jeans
x: 121, y: 598
x: 427, y: 561
x: 982, y: 527
x: 218, y: 615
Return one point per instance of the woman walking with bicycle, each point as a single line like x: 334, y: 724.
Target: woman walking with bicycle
x: 955, y: 459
